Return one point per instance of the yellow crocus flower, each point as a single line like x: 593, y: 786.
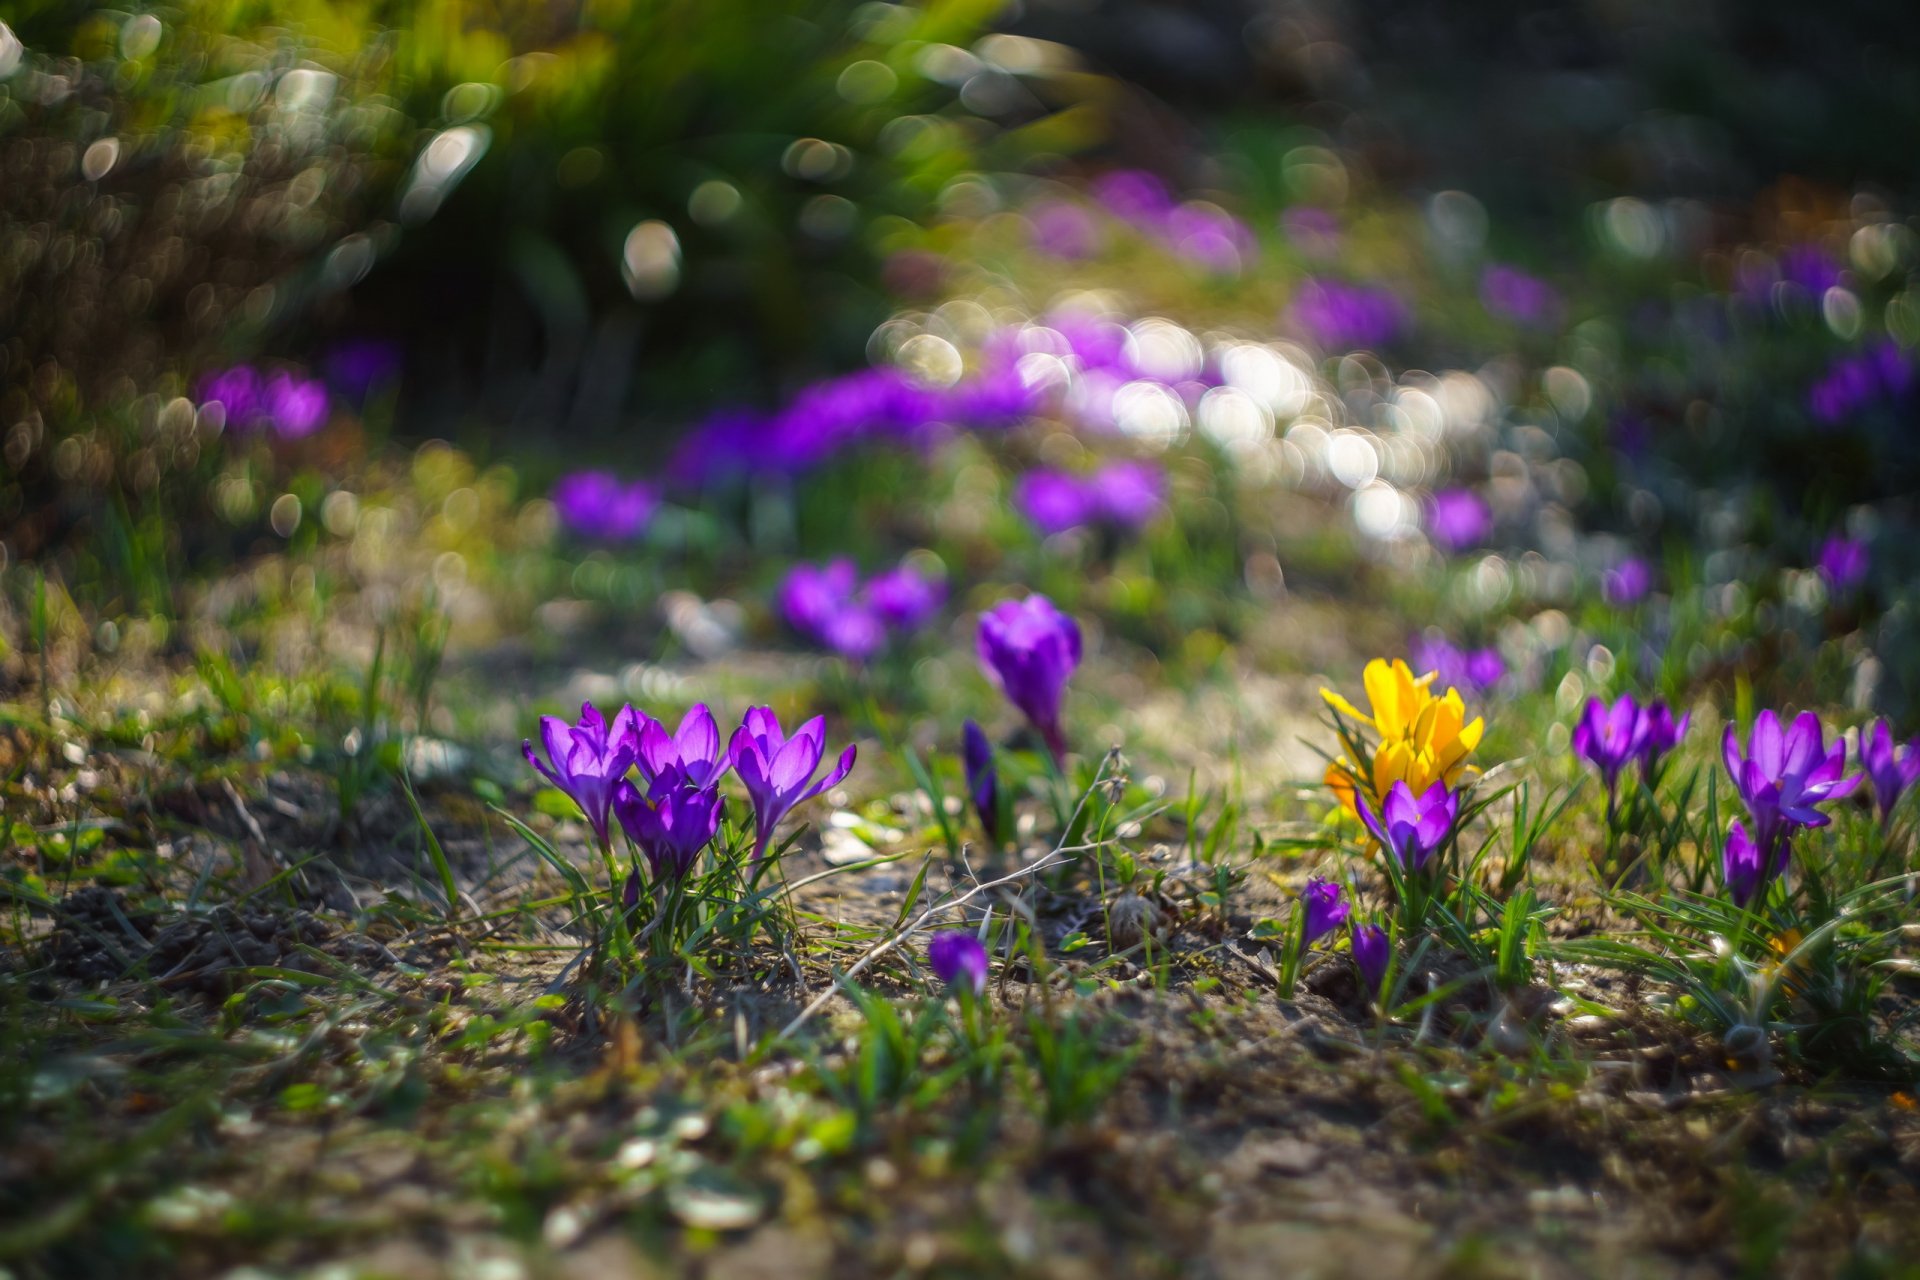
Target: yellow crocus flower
x: 1423, y: 738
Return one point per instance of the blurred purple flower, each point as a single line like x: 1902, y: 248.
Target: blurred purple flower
x: 692, y: 755
x: 359, y: 368
x: 1785, y: 774
x: 294, y: 407
x: 1892, y: 769
x: 1470, y: 670
x: 600, y: 506
x: 587, y: 760
x: 1063, y: 229
x: 1860, y: 379
x: 1627, y: 583
x: 1130, y: 492
x: 1411, y: 829
x: 1134, y: 196
x: 903, y: 598
x: 1743, y: 867
x: 1053, y: 501
x: 237, y: 392
x: 1371, y: 953
x: 1029, y: 649
x: 1810, y: 267
x: 958, y: 959
x: 1326, y: 908
x: 813, y: 594
x: 723, y: 446
x: 1526, y: 300
x: 983, y: 780
x: 1659, y: 733
x: 671, y: 824
x: 777, y: 771
x: 1458, y: 518
x: 1341, y: 316
x: 1609, y: 737
x: 1844, y: 562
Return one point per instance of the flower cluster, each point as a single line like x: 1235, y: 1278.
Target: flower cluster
x: 675, y: 810
x: 1782, y: 778
x: 1342, y: 317
x: 1855, y: 382
x: 291, y: 407
x: 1124, y: 495
x: 1424, y: 738
x: 1324, y: 908
x: 1203, y: 234
x: 1612, y: 737
x: 829, y: 605
x: 599, y: 506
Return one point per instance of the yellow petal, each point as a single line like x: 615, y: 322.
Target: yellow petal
x: 1339, y: 778
x: 1383, y: 694
x: 1340, y: 704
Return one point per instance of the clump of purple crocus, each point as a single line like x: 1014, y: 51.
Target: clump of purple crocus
x: 1627, y: 583
x: 983, y: 780
x: 1342, y: 317
x: 1611, y: 737
x: 1844, y: 562
x: 1526, y: 300
x: 291, y: 407
x: 1458, y: 518
x: 830, y: 606
x: 1028, y: 648
x: 1784, y: 775
x: 1124, y: 495
x: 778, y: 771
x: 588, y: 760
x: 1892, y: 769
x: 671, y: 823
x: 959, y: 960
x: 598, y: 505
x: 1412, y: 829
x: 1880, y: 373
x: 1469, y: 670
x: 1371, y: 953
x: 1326, y: 907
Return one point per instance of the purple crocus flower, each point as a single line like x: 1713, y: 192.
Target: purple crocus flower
x: 1742, y: 867
x: 588, y: 760
x: 671, y: 824
x: 1341, y: 316
x: 1627, y: 583
x: 600, y: 506
x: 1659, y: 734
x: 1469, y: 670
x: 359, y: 368
x: 777, y: 771
x: 1326, y: 907
x: 1134, y: 196
x: 1054, y: 501
x: 237, y: 392
x: 1371, y: 952
x: 1458, y: 518
x: 1609, y: 737
x: 1029, y: 648
x: 1843, y: 562
x: 1129, y: 493
x: 1411, y: 829
x: 983, y: 780
x: 295, y: 407
x: 1786, y: 773
x: 813, y: 595
x: 903, y: 597
x: 1892, y: 769
x: 959, y: 960
x: 691, y: 756
x: 1810, y: 267
x: 1512, y: 294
